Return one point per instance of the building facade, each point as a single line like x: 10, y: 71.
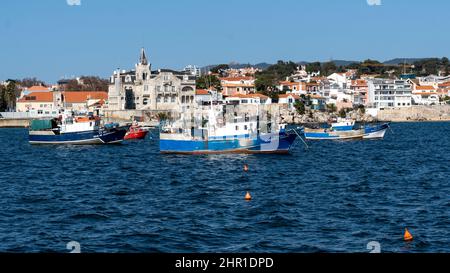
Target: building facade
x: 387, y: 93
x: 144, y: 89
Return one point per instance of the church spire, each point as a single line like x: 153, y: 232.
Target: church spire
x: 143, y: 58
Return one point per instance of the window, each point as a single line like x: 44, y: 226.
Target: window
x: 245, y: 127
x: 158, y: 88
x: 166, y: 98
x: 237, y: 128
x: 158, y: 99
x: 145, y: 101
x: 173, y: 98
x: 40, y: 112
x: 145, y: 87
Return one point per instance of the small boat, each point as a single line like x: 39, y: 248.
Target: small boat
x: 215, y: 135
x: 74, y: 130
x: 375, y: 131
x: 370, y: 131
x: 332, y: 134
x: 136, y: 132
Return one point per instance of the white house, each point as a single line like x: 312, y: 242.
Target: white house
x: 248, y: 99
x: 425, y: 98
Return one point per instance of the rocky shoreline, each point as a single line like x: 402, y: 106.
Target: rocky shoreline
x: 292, y: 117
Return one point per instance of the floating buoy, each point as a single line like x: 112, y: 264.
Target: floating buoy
x: 408, y: 236
x: 248, y: 197
x: 245, y: 168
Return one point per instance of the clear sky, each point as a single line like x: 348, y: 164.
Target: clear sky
x: 51, y: 39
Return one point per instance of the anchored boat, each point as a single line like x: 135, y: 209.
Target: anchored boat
x: 346, y: 129
x: 215, y: 134
x: 136, y: 132
x: 330, y: 133
x: 74, y: 130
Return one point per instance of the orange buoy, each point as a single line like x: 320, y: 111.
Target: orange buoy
x: 408, y: 236
x: 248, y: 197
x: 245, y: 168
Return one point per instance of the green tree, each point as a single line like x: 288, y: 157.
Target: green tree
x: 8, y: 96
x: 328, y: 68
x: 219, y: 68
x: 331, y: 108
x: 267, y: 80
x: 208, y: 81
x: 300, y: 107
x: 2, y: 98
x: 343, y: 113
x: 313, y: 67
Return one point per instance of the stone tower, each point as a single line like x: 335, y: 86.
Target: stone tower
x: 143, y: 68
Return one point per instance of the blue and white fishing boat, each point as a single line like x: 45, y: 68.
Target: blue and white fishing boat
x: 346, y: 129
x: 217, y: 135
x: 375, y: 131
x: 332, y: 134
x: 74, y: 130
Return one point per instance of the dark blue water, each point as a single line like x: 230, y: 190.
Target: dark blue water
x: 334, y: 197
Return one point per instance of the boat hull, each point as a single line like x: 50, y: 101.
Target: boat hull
x: 265, y: 144
x: 376, y: 132
x: 136, y: 135
x: 77, y: 138
x: 323, y: 134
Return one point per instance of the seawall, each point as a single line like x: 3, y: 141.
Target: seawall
x: 416, y: 113
x: 14, y: 123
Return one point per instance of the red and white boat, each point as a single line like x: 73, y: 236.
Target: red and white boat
x: 136, y: 132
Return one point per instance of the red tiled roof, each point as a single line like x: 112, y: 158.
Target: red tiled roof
x: 425, y: 87
x: 233, y: 79
x: 283, y: 96
x: 37, y: 97
x: 425, y: 93
x: 359, y: 83
x: 38, y: 88
x: 201, y: 92
x: 83, y: 96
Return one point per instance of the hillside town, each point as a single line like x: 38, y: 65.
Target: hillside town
x: 302, y: 91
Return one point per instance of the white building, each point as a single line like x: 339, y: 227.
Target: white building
x: 386, y: 93
x: 248, y: 99
x: 143, y: 89
x: 425, y: 98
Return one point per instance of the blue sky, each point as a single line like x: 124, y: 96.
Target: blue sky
x: 51, y: 39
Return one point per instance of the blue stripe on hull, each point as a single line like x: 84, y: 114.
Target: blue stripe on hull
x: 88, y: 137
x: 281, y: 144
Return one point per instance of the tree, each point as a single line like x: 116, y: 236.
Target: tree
x: 328, y: 68
x: 208, y: 81
x: 267, y: 80
x: 29, y: 82
x: 219, y: 68
x: 300, y: 107
x: 8, y: 96
x: 313, y: 67
x: 2, y: 98
x: 94, y: 83
x: 331, y: 108
x: 342, y: 113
